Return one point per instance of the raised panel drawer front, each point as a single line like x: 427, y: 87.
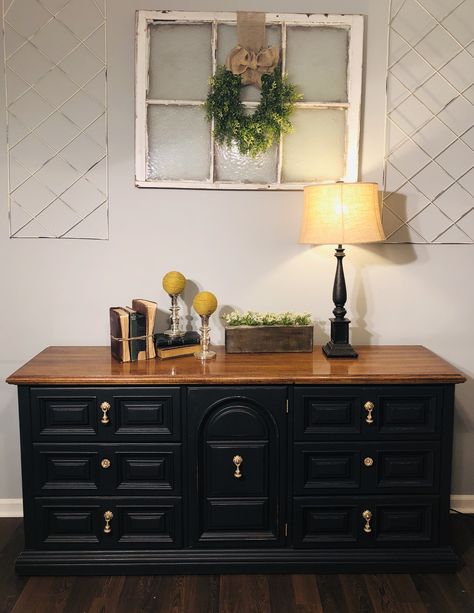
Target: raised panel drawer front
x: 410, y: 411
x: 367, y: 467
x: 149, y: 525
x: 65, y: 469
x: 221, y: 469
x: 110, y: 414
x: 320, y: 412
x: 64, y: 413
x: 369, y: 412
x: 403, y: 521
x: 155, y: 414
x: 237, y: 445
x: 239, y: 519
x: 108, y: 523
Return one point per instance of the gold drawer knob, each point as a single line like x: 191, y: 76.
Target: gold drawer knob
x: 237, y: 460
x: 368, y: 461
x: 105, y: 408
x: 369, y: 407
x: 105, y: 463
x: 108, y: 516
x: 367, y: 515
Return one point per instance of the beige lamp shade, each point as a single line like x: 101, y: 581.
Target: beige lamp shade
x: 341, y: 213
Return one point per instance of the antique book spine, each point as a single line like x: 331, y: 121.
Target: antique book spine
x: 119, y: 334
x: 163, y: 340
x: 175, y: 352
x: 137, y: 328
x: 148, y: 308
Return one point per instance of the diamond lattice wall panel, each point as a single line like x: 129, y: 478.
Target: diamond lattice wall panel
x: 56, y: 100
x: 429, y: 163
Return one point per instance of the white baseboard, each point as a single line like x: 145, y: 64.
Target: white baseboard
x: 463, y: 503
x: 11, y: 507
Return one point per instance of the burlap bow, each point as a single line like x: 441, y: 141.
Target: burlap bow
x: 251, y: 65
x: 251, y: 58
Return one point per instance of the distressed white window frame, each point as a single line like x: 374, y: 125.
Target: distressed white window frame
x: 353, y: 23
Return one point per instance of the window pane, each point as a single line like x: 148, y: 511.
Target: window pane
x: 178, y: 143
x: 314, y: 151
x: 175, y: 62
x: 232, y: 166
x: 180, y: 61
x: 316, y: 61
x: 227, y: 40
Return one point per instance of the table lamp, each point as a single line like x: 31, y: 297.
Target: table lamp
x: 341, y: 213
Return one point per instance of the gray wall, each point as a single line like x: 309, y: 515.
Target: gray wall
x: 242, y: 246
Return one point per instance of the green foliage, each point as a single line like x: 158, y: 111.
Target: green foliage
x: 252, y: 318
x: 254, y: 133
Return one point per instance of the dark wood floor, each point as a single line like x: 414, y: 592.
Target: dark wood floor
x: 415, y: 593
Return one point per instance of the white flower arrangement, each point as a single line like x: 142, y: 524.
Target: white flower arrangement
x: 253, y: 318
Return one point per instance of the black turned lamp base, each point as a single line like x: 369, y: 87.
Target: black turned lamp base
x: 339, y: 350
x: 339, y: 346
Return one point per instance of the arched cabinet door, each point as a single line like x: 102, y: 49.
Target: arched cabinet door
x: 237, y: 465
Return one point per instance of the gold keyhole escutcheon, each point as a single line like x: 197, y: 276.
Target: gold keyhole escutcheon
x: 369, y: 407
x: 237, y: 460
x: 368, y: 461
x: 367, y: 515
x: 105, y: 463
x: 105, y: 408
x: 108, y: 516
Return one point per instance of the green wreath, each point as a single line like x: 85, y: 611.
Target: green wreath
x: 254, y: 133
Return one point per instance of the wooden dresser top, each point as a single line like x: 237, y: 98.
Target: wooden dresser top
x: 375, y: 364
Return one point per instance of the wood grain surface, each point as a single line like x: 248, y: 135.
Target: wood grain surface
x: 375, y: 364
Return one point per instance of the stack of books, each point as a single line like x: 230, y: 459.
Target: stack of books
x: 131, y: 331
x: 170, y: 347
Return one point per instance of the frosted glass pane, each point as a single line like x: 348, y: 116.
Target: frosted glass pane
x: 227, y: 40
x: 316, y: 61
x: 178, y: 143
x: 230, y: 165
x: 314, y: 151
x: 180, y: 61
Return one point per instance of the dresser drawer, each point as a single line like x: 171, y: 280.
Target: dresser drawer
x: 140, y: 414
x: 224, y: 478
x: 369, y: 521
x: 65, y: 469
x: 370, y: 412
x: 368, y: 467
x: 86, y: 523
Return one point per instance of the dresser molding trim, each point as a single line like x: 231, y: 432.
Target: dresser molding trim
x: 240, y: 561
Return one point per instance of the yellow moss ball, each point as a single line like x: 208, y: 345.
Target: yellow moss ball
x: 205, y: 303
x: 174, y: 282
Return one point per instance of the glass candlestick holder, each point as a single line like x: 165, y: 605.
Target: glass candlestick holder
x: 175, y: 330
x: 204, y: 330
x: 173, y: 284
x: 205, y: 303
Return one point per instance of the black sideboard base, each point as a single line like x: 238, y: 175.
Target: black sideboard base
x: 283, y: 463
x: 192, y: 562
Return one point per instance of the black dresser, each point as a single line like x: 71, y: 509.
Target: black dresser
x: 248, y: 463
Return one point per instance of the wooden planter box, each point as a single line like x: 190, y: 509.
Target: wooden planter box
x: 268, y: 339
